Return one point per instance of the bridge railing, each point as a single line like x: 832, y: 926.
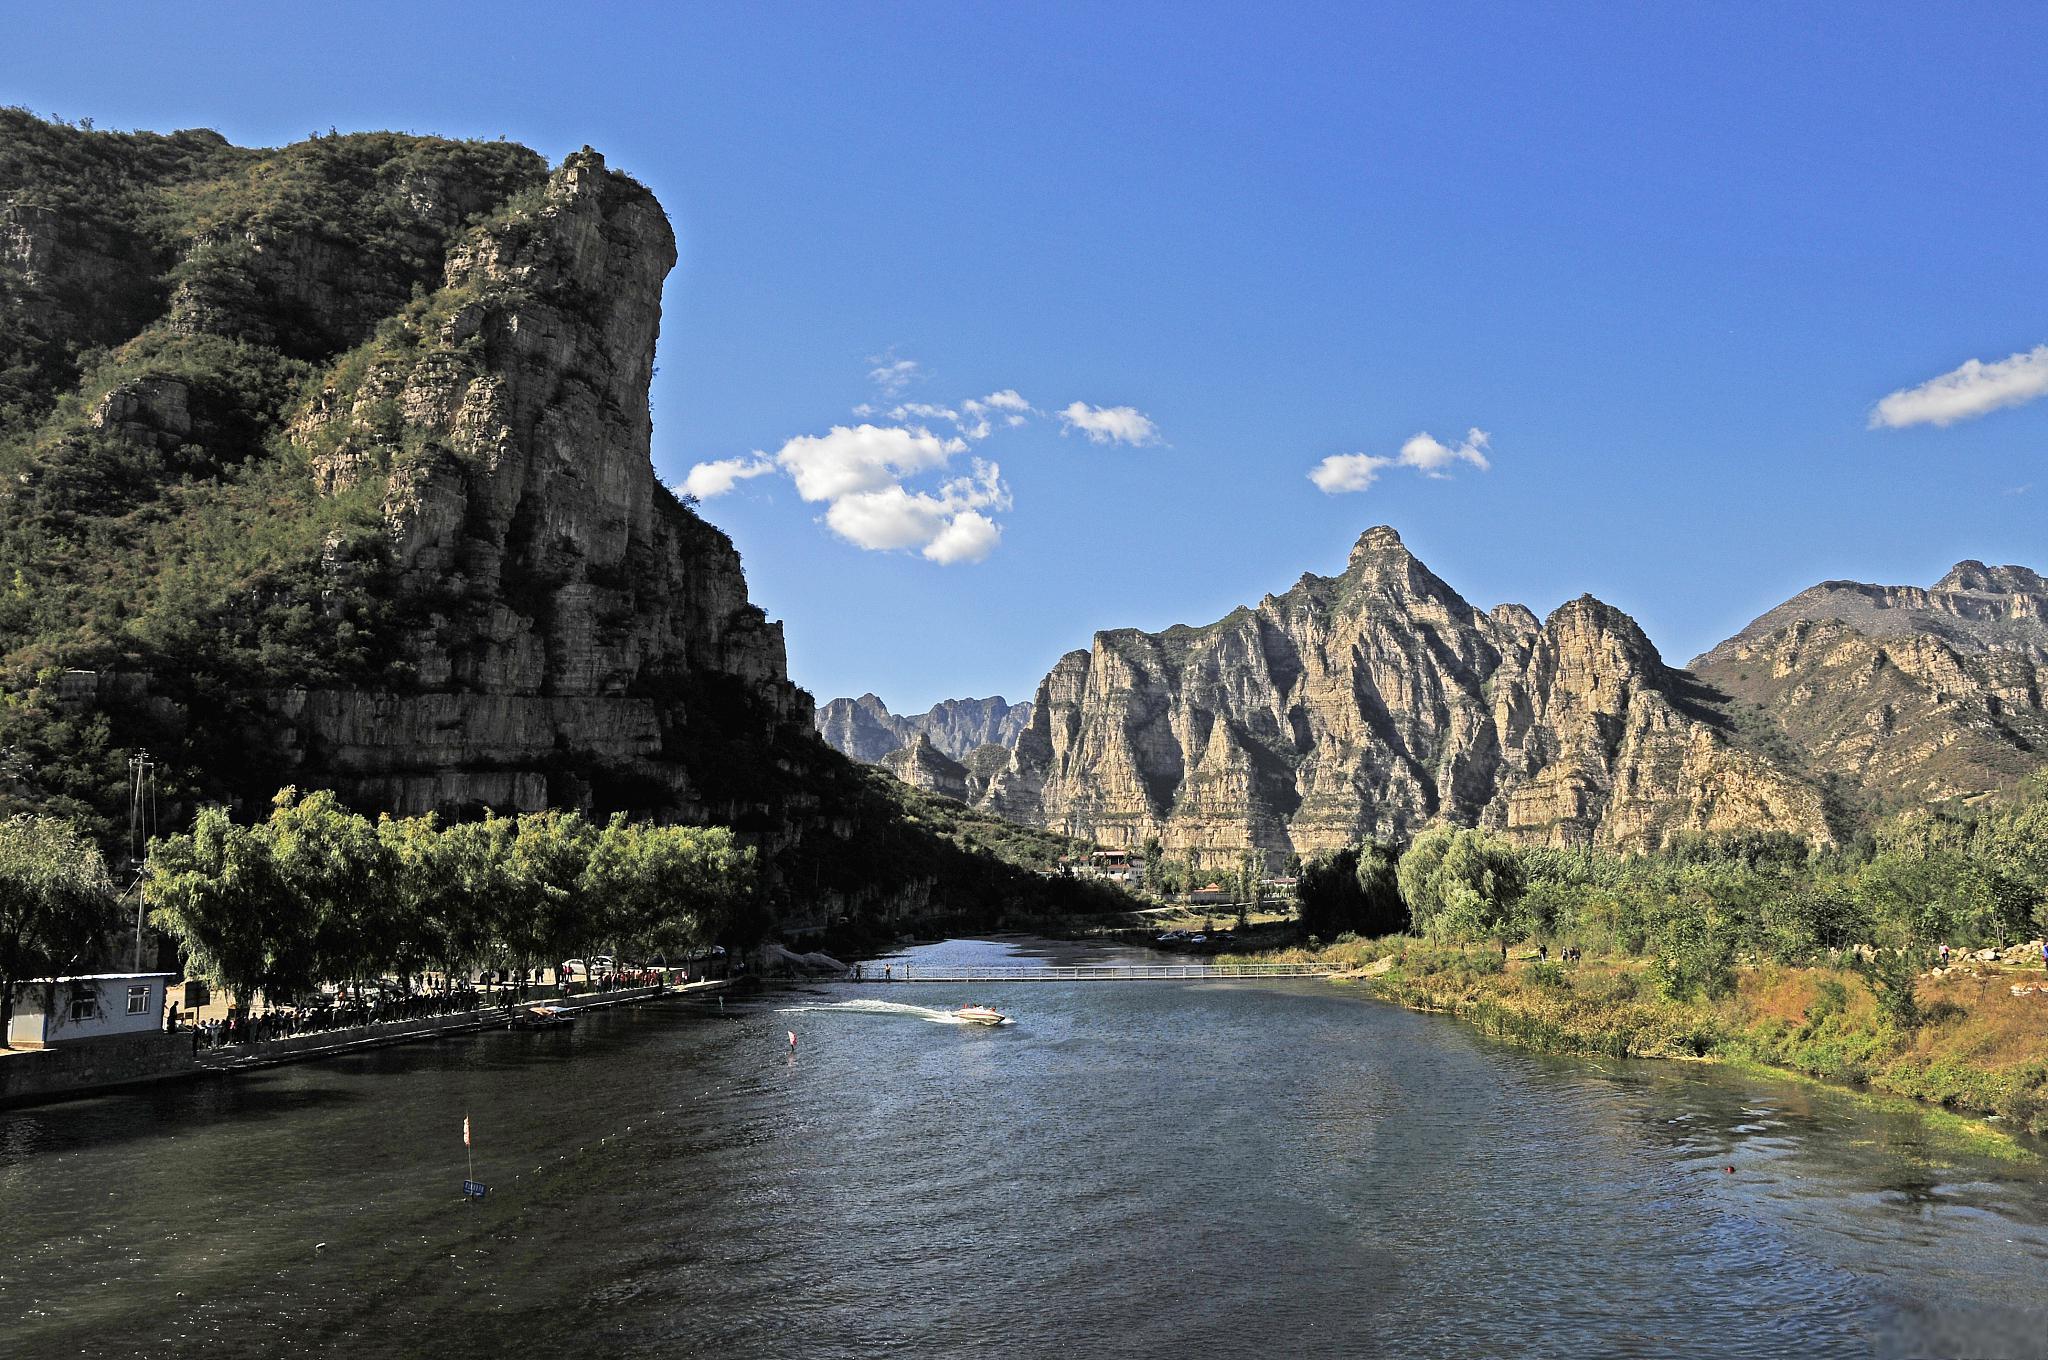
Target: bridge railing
x: 1089, y: 972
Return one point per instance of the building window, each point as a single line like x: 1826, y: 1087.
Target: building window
x: 85, y: 1007
x: 138, y: 1000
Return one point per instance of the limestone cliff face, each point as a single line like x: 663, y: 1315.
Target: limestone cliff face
x: 575, y: 605
x: 866, y: 730
x: 1371, y: 703
x: 1908, y: 694
x: 923, y: 766
x: 863, y: 729
x: 372, y: 414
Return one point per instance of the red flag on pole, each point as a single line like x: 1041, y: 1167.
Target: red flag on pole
x: 465, y: 1130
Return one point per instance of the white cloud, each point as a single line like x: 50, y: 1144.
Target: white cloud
x: 921, y: 410
x: 868, y: 475
x: 977, y: 424
x: 886, y: 519
x: 1973, y: 390
x: 892, y: 374
x: 861, y: 458
x: 1005, y: 400
x: 1110, y: 424
x: 706, y: 480
x: 1342, y: 472
x: 1431, y: 456
x: 948, y: 526
x: 968, y: 537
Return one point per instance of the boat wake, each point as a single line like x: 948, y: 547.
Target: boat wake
x: 869, y: 1007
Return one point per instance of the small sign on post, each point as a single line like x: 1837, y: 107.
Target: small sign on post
x: 475, y: 1189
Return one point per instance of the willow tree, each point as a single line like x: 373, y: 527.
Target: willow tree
x: 56, y: 903
x: 548, y: 914
x: 1462, y: 884
x: 218, y: 893
x: 339, y: 875
x: 666, y: 889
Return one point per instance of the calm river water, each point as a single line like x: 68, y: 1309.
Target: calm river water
x: 1144, y: 1169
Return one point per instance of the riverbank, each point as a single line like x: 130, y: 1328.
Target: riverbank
x: 1978, y: 1048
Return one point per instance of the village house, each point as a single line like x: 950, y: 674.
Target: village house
x: 51, y: 1011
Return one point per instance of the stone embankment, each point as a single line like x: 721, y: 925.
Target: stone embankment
x: 94, y: 1067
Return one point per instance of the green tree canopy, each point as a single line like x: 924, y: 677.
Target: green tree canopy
x: 218, y: 893
x: 1462, y: 884
x: 56, y: 902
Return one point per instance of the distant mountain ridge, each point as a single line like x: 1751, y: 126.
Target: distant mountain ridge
x: 1376, y: 701
x: 866, y: 730
x: 1903, y: 694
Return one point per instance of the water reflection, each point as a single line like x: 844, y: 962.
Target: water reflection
x: 1150, y: 1169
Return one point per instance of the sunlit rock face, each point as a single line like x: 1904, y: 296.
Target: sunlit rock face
x: 923, y: 766
x: 1905, y: 694
x: 437, y: 355
x: 1374, y: 702
x: 583, y: 615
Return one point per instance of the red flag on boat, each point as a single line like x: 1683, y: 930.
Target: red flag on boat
x: 465, y: 1130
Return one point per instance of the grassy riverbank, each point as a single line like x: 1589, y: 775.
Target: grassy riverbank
x: 1977, y: 1048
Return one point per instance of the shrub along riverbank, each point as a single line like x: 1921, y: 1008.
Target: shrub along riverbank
x: 1814, y: 959
x: 1974, y: 1046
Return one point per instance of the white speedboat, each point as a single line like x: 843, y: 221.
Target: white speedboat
x: 980, y: 1015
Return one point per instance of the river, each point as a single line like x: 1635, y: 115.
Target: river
x: 1140, y: 1169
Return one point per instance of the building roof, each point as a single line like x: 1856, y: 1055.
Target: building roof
x: 94, y: 977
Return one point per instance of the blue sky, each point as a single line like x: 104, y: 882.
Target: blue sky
x: 1668, y: 258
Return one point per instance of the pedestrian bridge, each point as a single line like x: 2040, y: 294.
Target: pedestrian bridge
x: 1089, y: 972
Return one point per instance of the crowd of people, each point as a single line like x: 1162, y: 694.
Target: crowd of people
x: 342, y: 1012
x: 353, y: 1010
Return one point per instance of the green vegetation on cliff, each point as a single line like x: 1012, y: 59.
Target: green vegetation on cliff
x: 168, y: 304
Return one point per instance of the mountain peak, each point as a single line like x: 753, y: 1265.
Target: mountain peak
x: 1378, y: 541
x: 1970, y: 574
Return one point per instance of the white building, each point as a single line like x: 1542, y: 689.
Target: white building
x: 49, y: 1011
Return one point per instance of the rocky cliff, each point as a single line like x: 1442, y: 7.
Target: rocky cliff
x: 343, y: 477
x: 1904, y: 694
x: 866, y: 730
x: 923, y: 766
x: 1372, y: 702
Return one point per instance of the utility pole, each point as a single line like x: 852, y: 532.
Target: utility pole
x: 141, y: 826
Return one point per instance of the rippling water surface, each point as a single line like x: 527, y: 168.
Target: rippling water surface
x: 1145, y: 1169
